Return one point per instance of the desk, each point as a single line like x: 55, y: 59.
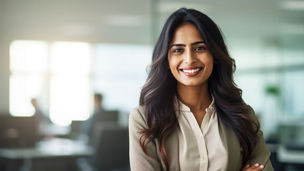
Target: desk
x: 290, y: 158
x: 55, y: 130
x: 55, y: 150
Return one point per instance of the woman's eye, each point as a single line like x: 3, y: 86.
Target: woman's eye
x: 177, y: 50
x: 200, y: 48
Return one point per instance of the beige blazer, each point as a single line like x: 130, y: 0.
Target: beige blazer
x: 139, y: 161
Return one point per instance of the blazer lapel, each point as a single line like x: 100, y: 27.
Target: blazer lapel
x: 232, y: 146
x: 172, y: 147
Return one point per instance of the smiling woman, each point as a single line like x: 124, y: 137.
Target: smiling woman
x: 190, y: 61
x: 191, y: 114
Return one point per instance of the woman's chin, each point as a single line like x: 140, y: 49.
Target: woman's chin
x: 191, y: 83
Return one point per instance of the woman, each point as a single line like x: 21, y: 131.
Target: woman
x: 191, y: 114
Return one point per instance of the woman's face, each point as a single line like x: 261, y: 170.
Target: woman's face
x: 190, y: 61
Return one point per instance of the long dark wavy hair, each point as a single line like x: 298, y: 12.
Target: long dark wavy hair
x: 157, y: 95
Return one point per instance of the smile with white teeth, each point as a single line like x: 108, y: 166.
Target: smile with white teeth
x: 191, y: 70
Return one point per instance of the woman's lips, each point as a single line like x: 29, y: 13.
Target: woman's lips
x: 191, y: 71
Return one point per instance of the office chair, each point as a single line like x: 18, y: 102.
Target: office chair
x: 111, y: 148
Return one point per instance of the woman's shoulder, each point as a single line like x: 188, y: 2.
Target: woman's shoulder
x: 252, y: 114
x: 137, y: 115
x: 137, y: 111
x: 250, y: 109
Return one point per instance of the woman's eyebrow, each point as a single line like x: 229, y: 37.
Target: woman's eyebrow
x: 198, y: 42
x: 177, y: 45
x: 183, y: 45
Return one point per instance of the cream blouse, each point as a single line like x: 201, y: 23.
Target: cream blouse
x: 200, y: 146
x: 191, y: 147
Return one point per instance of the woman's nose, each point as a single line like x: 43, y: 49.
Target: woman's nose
x: 189, y: 58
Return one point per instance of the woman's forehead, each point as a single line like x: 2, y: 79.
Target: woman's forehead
x: 186, y: 33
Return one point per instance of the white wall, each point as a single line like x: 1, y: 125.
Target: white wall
x: 4, y: 76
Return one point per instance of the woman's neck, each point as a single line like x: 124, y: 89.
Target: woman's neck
x: 197, y: 98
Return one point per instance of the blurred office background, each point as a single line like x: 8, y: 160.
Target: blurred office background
x: 61, y: 53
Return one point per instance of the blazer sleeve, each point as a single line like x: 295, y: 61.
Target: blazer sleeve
x: 140, y: 161
x: 261, y: 153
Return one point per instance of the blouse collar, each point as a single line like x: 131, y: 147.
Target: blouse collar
x: 180, y: 106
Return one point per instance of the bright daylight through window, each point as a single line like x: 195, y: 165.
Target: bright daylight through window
x: 57, y: 74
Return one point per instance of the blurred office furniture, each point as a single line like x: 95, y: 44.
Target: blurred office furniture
x: 18, y: 132
x: 291, y: 150
x: 76, y: 129
x: 22, y: 147
x: 86, y: 128
x: 103, y: 116
x: 290, y: 158
x: 108, y: 116
x: 274, y: 156
x: 83, y: 130
x: 100, y: 115
x: 287, y: 146
x: 54, y: 131
x: 111, y: 148
x: 56, y: 154
x: 109, y: 140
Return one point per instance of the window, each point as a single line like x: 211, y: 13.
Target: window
x: 119, y: 73
x: 57, y: 74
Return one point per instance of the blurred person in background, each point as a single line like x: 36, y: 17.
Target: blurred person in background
x: 98, y: 112
x: 42, y: 118
x: 102, y: 115
x: 88, y: 125
x: 98, y: 102
x: 98, y: 116
x: 191, y: 114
